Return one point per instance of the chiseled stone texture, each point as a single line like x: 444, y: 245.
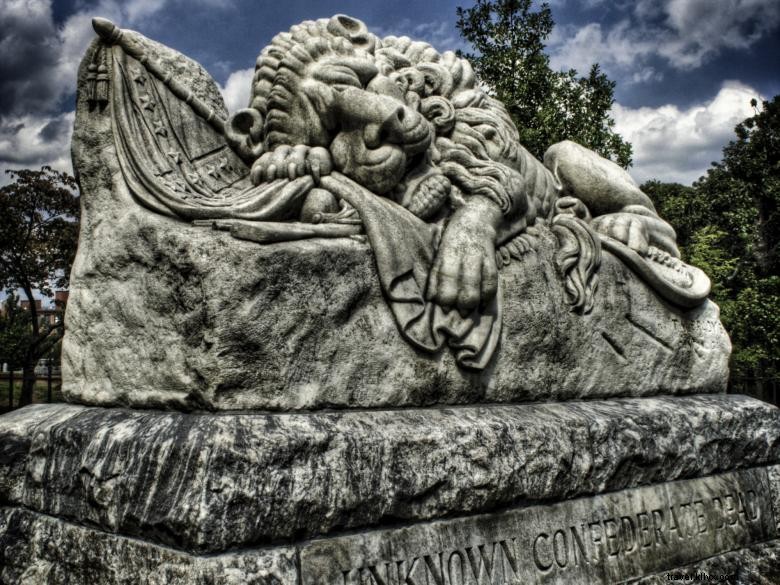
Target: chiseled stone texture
x: 164, y: 314
x: 208, y: 483
x: 774, y: 491
x: 41, y: 550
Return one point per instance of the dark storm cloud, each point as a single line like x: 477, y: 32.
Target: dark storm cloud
x: 34, y: 141
x: 30, y: 50
x: 705, y: 28
x: 41, y: 49
x: 54, y: 129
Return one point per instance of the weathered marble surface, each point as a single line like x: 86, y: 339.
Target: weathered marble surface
x: 207, y: 483
x: 37, y: 549
x: 166, y: 314
x: 162, y: 314
x: 41, y: 550
x: 755, y: 565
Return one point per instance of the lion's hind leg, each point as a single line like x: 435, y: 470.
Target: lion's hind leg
x: 620, y: 210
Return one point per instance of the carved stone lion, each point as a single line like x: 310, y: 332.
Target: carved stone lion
x: 414, y: 125
x: 348, y: 133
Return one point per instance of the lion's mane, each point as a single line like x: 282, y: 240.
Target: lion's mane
x: 441, y: 86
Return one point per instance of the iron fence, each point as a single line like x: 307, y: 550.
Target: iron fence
x: 11, y: 381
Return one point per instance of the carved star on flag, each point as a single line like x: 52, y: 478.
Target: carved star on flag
x: 138, y: 76
x: 159, y: 128
x: 176, y: 184
x: 224, y: 164
x: 181, y: 186
x: 147, y: 102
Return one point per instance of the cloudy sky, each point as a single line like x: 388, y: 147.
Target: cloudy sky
x: 685, y: 69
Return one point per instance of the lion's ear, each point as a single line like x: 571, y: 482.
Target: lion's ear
x: 353, y: 29
x: 440, y: 112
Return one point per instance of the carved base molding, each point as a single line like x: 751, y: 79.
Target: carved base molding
x: 720, y: 526
x: 603, y: 539
x: 578, y: 492
x: 199, y: 320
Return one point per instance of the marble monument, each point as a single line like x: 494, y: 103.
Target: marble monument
x: 356, y: 334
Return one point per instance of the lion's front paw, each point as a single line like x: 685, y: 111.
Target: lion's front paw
x: 638, y: 231
x: 627, y: 228
x: 464, y: 273
x: 291, y: 162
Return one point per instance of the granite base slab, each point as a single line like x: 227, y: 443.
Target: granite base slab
x: 208, y: 483
x: 722, y: 526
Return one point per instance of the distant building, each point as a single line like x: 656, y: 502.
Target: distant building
x: 51, y: 314
x: 25, y: 305
x: 61, y: 297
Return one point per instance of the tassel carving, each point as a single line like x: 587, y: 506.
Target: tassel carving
x: 97, y: 79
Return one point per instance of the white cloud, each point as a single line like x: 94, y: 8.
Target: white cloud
x: 701, y: 28
x: 36, y: 140
x: 442, y: 34
x: 237, y: 90
x: 677, y: 145
x: 619, y: 47
x: 683, y: 33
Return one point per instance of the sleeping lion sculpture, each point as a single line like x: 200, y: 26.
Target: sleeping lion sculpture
x: 352, y: 135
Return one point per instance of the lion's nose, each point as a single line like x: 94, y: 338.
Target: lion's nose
x: 393, y: 128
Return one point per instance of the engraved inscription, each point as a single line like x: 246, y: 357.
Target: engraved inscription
x: 682, y: 523
x: 602, y: 539
x: 495, y: 562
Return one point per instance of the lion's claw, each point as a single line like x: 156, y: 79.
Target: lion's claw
x: 291, y: 162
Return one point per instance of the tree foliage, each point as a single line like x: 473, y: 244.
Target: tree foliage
x: 38, y: 237
x: 547, y: 106
x: 728, y: 224
x: 15, y: 331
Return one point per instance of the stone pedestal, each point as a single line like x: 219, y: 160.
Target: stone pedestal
x: 555, y: 422
x: 577, y: 492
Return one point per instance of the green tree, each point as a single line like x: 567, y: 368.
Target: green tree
x: 728, y: 224
x: 38, y: 236
x: 751, y: 164
x: 547, y: 106
x: 14, y: 331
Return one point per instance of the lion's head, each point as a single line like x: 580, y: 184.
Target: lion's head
x: 388, y: 110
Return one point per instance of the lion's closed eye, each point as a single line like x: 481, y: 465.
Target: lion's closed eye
x: 338, y: 76
x: 487, y: 131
